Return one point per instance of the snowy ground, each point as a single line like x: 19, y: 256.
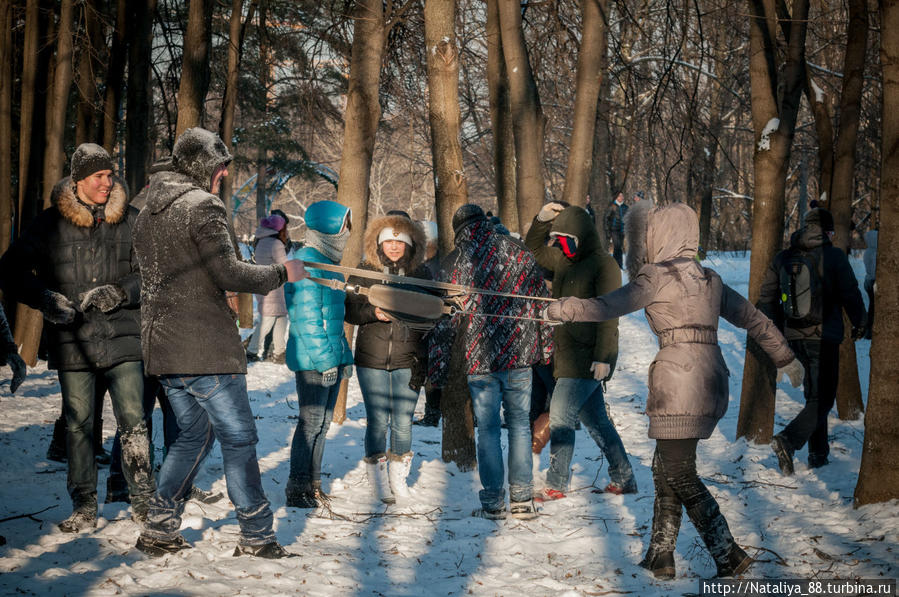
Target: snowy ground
x: 588, y: 544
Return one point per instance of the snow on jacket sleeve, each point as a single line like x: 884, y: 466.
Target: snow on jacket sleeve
x: 306, y: 307
x: 740, y: 312
x: 209, y: 229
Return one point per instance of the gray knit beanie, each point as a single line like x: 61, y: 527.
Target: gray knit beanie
x: 89, y: 158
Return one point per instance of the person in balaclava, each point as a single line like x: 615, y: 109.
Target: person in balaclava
x: 187, y: 259
x: 75, y: 264
x: 688, y: 387
x: 317, y: 349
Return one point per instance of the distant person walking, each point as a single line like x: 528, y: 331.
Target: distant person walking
x: 614, y: 223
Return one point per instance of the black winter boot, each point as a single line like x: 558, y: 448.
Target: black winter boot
x: 736, y: 562
x: 156, y: 548
x: 784, y: 454
x: 300, y: 495
x: 729, y: 558
x: 269, y: 551
x: 116, y: 490
x: 666, y: 519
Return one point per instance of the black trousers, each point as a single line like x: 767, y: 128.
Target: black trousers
x: 618, y: 247
x: 821, y: 359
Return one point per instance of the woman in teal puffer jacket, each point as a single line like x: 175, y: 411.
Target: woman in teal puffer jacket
x: 317, y: 349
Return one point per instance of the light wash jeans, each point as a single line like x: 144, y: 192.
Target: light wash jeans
x: 388, y: 401
x: 510, y: 389
x: 209, y: 407
x: 582, y: 399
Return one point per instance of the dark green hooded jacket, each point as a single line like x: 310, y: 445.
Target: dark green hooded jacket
x: 588, y: 274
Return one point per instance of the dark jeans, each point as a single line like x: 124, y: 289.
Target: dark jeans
x: 542, y: 385
x: 389, y: 401
x: 869, y: 288
x: 677, y: 485
x: 152, y: 391
x: 210, y: 407
x: 125, y: 383
x: 618, y: 247
x: 821, y: 359
x: 316, y: 411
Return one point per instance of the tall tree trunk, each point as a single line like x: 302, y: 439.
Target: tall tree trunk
x: 589, y: 81
x: 849, y: 394
x: 262, y: 148
x: 527, y: 115
x: 115, y: 78
x: 775, y: 107
x: 137, y: 140
x: 878, y: 478
x: 195, y: 66
x: 89, y: 65
x: 451, y: 188
x: 7, y: 209
x: 54, y: 157
x: 501, y: 122
x: 599, y: 189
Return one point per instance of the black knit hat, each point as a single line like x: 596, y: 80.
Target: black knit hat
x: 465, y: 215
x: 89, y: 158
x: 821, y: 217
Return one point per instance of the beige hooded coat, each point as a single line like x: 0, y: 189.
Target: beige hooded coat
x: 688, y: 380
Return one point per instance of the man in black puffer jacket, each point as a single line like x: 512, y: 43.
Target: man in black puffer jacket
x: 75, y: 264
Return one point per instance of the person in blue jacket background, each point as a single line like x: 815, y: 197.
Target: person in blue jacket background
x: 317, y: 349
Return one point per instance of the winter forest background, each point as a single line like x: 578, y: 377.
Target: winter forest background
x: 744, y: 110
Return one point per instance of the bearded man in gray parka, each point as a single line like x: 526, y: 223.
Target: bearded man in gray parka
x: 688, y: 387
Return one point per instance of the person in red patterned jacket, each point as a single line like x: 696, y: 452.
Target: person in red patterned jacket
x: 500, y: 351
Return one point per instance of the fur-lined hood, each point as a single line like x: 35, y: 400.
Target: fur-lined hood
x: 400, y: 224
x: 65, y: 198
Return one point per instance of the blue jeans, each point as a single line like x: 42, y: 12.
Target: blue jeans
x: 209, y: 407
x: 388, y: 399
x: 575, y: 398
x: 512, y: 390
x: 316, y: 410
x: 125, y: 383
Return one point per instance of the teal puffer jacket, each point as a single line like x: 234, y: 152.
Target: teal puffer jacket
x: 316, y: 341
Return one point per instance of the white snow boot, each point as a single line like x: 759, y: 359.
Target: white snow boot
x: 399, y: 470
x: 377, y: 476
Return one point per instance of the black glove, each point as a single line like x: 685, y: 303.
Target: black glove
x: 858, y: 332
x: 106, y: 298
x: 57, y: 308
x: 18, y: 371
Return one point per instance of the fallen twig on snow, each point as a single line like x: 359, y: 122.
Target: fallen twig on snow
x: 780, y: 560
x: 31, y: 515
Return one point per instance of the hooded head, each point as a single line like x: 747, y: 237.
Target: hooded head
x: 574, y: 232
x: 814, y: 230
x: 395, y: 226
x: 198, y: 153
x: 328, y: 226
x: 672, y: 232
x: 821, y: 218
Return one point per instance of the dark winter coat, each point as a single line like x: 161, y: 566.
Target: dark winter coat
x: 589, y: 273
x: 187, y: 262
x: 839, y: 288
x: 486, y: 259
x: 688, y: 380
x: 614, y: 220
x: 71, y: 248
x: 381, y: 344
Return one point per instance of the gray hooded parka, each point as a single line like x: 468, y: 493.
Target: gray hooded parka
x: 688, y: 380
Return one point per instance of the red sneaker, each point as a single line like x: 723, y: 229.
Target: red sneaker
x: 547, y: 494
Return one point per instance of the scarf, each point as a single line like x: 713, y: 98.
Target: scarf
x: 330, y: 245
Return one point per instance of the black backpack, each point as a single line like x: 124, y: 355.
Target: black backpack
x: 801, y: 288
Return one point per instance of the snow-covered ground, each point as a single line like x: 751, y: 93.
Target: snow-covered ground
x: 589, y: 544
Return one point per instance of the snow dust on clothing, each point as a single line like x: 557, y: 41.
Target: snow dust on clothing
x: 187, y: 261
x: 71, y: 248
x: 483, y: 258
x: 591, y: 272
x: 688, y: 380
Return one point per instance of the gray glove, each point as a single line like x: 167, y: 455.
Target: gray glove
x: 329, y: 377
x: 347, y: 371
x: 549, y: 211
x: 794, y: 370
x: 57, y: 308
x: 18, y: 372
x: 599, y: 370
x: 105, y: 298
x: 553, y: 312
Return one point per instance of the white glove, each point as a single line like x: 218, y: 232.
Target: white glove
x: 549, y: 211
x: 599, y: 370
x: 329, y: 377
x: 347, y: 371
x: 794, y: 371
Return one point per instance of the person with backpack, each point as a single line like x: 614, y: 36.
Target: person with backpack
x: 805, y: 290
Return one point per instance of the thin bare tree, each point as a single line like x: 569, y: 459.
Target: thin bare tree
x: 195, y: 66
x: 54, y: 157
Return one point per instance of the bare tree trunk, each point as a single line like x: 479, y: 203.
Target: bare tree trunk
x: 501, y: 121
x: 878, y: 478
x: 261, y: 148
x: 195, y: 67
x: 7, y: 209
x: 115, y: 78
x: 849, y: 394
x: 527, y: 115
x: 54, y: 158
x: 89, y: 65
x: 137, y: 139
x: 589, y: 81
x: 775, y: 105
x: 451, y: 188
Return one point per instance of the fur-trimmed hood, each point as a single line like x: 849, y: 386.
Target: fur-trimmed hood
x: 65, y: 198
x: 400, y: 224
